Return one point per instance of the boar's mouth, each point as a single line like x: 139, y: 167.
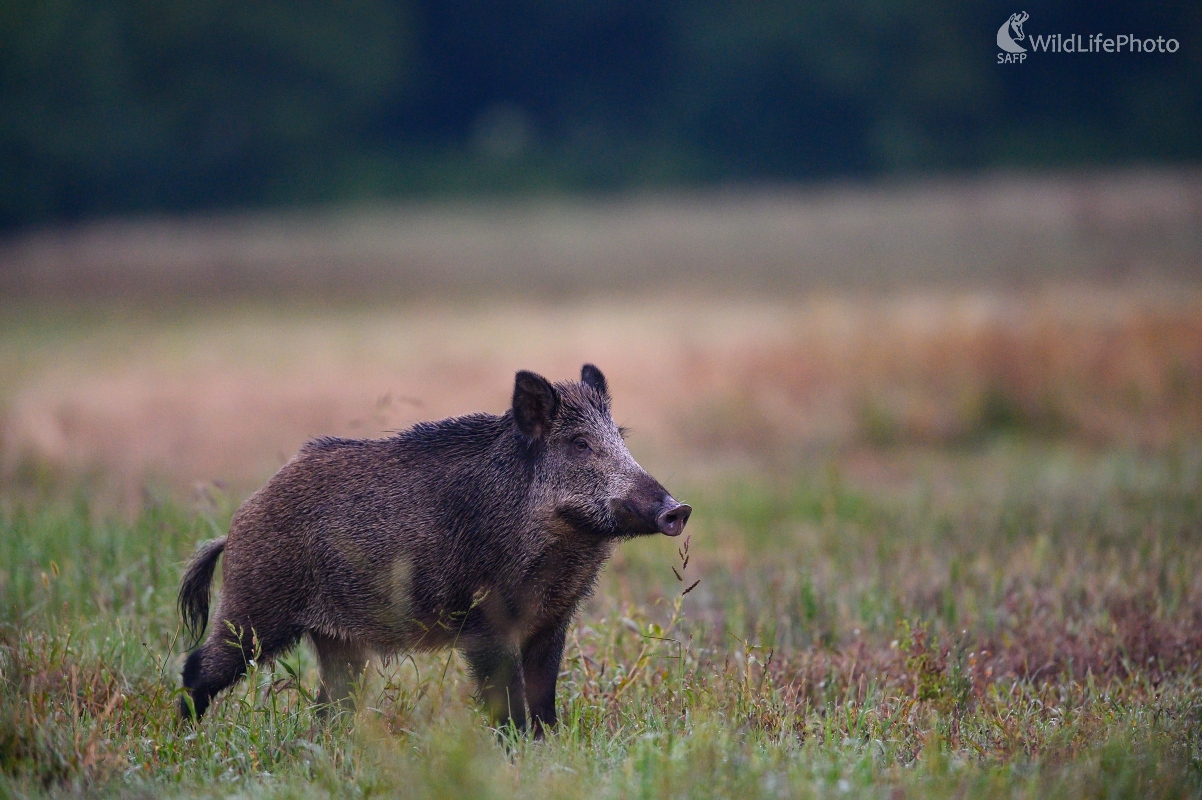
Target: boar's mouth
x: 590, y: 521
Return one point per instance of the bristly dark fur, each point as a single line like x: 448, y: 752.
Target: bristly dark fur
x: 479, y: 532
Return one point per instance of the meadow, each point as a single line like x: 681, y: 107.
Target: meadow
x: 947, y: 542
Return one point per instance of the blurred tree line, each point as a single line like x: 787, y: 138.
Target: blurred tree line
x: 114, y: 106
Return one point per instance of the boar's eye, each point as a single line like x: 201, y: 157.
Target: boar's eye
x: 581, y: 445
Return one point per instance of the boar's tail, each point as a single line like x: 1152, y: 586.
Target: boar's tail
x: 194, y: 588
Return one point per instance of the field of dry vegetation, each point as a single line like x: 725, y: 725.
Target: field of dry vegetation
x: 947, y: 526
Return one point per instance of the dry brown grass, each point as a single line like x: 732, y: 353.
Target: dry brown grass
x: 756, y: 325
x: 1102, y: 366
x: 229, y: 395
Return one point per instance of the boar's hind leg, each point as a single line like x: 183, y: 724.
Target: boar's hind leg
x: 540, y: 664
x: 501, y: 686
x: 224, y: 657
x: 342, y: 664
x: 217, y: 664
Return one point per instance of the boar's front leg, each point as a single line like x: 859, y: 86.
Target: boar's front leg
x: 540, y: 662
x: 501, y: 686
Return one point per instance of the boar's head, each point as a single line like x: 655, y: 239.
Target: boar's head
x: 583, y: 472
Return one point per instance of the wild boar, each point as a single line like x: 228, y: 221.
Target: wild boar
x: 479, y: 532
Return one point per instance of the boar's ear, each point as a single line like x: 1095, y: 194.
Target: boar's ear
x: 591, y: 376
x: 535, y: 403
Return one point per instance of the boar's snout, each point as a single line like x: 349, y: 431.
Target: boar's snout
x: 662, y: 514
x: 672, y: 519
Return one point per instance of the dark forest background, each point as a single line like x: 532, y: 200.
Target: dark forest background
x: 120, y: 106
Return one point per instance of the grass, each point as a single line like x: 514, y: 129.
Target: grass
x: 1018, y: 618
x: 185, y: 395
x: 948, y: 543
x: 991, y: 230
